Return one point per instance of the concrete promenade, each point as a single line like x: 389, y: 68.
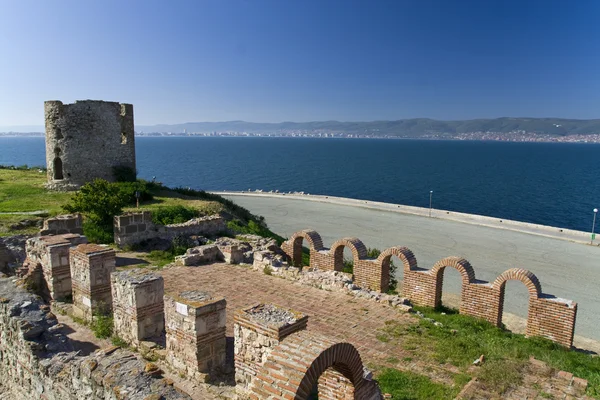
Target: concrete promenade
x: 565, y: 265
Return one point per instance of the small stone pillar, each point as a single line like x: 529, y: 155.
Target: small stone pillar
x: 256, y: 331
x: 91, y: 266
x: 195, y: 333
x: 232, y: 254
x: 138, y: 305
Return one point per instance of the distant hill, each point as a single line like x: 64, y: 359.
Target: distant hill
x: 416, y: 127
x: 411, y: 128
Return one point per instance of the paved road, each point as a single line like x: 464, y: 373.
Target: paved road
x: 565, y: 269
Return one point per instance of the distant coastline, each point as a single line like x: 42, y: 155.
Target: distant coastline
x: 473, y: 136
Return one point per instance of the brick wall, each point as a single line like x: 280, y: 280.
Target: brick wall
x: 133, y: 228
x: 368, y: 273
x: 335, y: 386
x: 91, y: 266
x: 548, y: 316
x: 195, y: 333
x: 296, y: 365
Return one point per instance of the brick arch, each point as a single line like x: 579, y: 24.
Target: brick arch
x: 312, y: 237
x: 527, y: 277
x: 307, y: 356
x: 293, y: 246
x: 359, y: 251
x: 461, y: 265
x: 403, y: 253
x: 341, y: 357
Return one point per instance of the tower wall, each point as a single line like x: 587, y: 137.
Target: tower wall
x: 86, y: 140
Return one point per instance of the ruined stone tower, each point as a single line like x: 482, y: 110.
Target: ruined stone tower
x: 87, y: 140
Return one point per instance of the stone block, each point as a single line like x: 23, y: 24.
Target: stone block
x: 195, y: 332
x: 138, y: 305
x: 91, y: 266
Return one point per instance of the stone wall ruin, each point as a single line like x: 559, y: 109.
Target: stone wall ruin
x: 87, y: 140
x: 61, y: 224
x: 136, y: 227
x: 548, y: 316
x: 51, y: 255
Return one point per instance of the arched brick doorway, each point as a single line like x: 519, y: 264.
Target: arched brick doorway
x: 312, y: 360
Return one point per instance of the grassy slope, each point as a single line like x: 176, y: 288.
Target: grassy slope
x: 463, y: 339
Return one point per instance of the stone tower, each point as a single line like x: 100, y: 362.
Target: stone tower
x: 87, y: 140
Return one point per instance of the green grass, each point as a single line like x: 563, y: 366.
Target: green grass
x: 23, y: 190
x: 462, y: 339
x: 404, y: 385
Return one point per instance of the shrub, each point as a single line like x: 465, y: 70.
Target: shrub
x: 97, y: 234
x: 177, y: 214
x: 99, y: 201
x: 102, y: 325
x: 128, y: 190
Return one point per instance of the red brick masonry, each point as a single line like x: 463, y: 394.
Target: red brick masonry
x: 548, y: 316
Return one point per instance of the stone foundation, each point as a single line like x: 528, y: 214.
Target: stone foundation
x: 138, y: 305
x: 91, y: 266
x: 195, y: 333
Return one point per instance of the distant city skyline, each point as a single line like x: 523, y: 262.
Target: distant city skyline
x: 274, y: 61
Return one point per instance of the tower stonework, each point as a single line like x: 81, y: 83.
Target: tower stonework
x: 87, y: 140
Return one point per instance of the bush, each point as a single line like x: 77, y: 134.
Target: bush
x: 128, y: 190
x: 99, y: 201
x: 166, y: 215
x: 102, y: 326
x: 97, y: 234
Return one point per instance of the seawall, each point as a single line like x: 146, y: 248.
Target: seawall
x: 473, y: 219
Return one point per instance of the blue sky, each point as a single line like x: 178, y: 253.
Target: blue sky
x: 288, y: 60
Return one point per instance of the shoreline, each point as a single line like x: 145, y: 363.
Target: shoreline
x: 472, y: 219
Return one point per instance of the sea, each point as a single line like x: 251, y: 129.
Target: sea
x: 556, y: 184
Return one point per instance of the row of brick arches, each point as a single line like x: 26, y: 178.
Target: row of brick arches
x: 548, y: 316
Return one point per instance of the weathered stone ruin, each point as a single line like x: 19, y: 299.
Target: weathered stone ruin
x: 91, y: 266
x: 138, y: 306
x: 195, y: 333
x: 136, y: 227
x: 39, y: 362
x: 49, y: 255
x: 67, y: 223
x: 87, y: 140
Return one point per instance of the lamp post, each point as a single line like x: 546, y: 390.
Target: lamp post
x: 593, y: 226
x: 430, y: 198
